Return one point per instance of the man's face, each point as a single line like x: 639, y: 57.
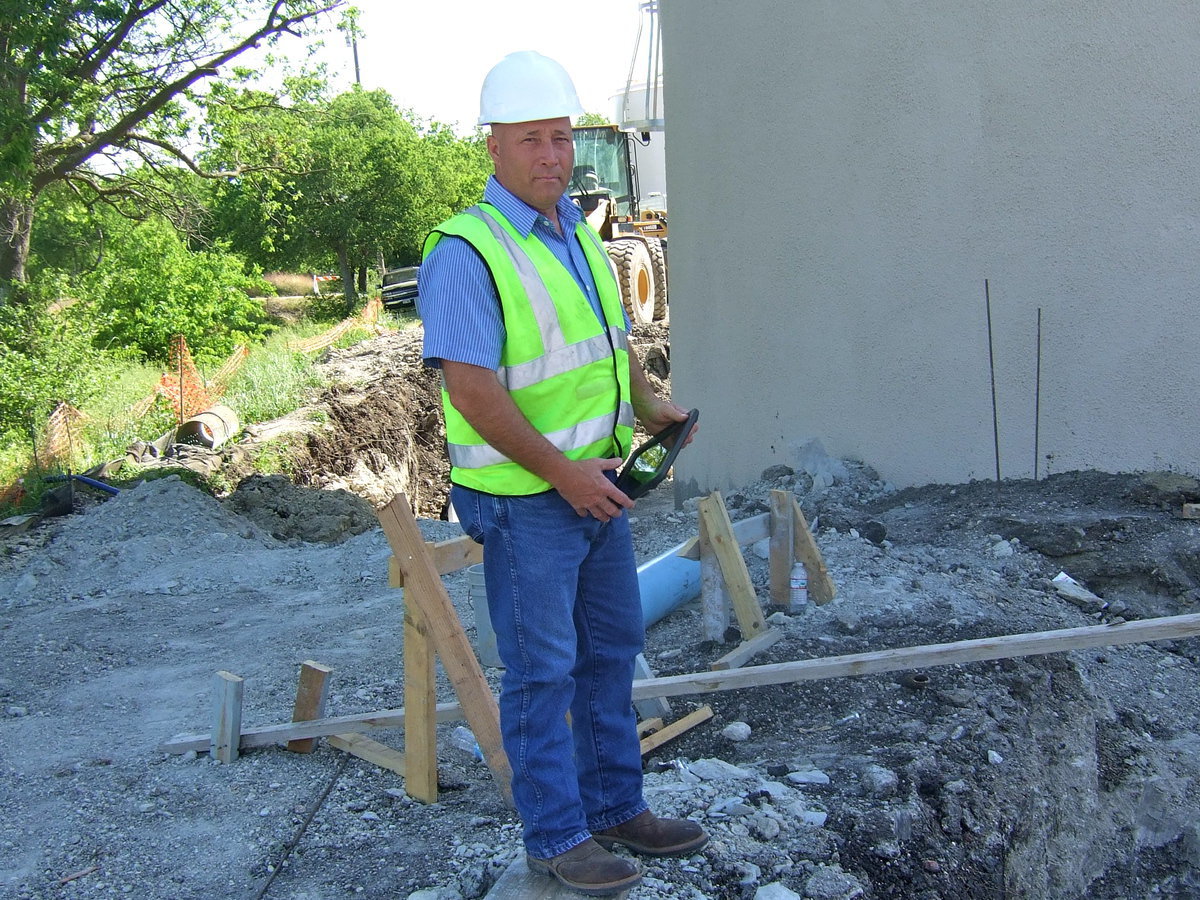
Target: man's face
x: 534, y: 160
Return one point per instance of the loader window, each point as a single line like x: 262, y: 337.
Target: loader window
x: 602, y: 160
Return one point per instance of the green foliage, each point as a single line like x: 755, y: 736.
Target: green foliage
x: 336, y: 184
x: 591, y: 118
x: 272, y: 382
x: 45, y: 358
x: 88, y: 80
x: 152, y: 287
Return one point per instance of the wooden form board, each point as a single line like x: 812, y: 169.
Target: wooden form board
x: 897, y: 660
x: 424, y: 591
x: 921, y: 657
x: 820, y: 585
x: 270, y: 735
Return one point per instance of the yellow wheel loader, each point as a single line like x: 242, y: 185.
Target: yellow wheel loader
x: 605, y: 186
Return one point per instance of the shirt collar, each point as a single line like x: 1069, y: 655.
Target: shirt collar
x: 521, y: 215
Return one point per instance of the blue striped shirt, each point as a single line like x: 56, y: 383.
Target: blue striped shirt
x: 457, y: 299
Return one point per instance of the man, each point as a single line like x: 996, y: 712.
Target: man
x: 523, y: 315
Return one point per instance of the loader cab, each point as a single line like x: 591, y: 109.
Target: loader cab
x: 604, y: 170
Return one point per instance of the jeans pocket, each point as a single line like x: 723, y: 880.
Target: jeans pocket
x: 466, y: 507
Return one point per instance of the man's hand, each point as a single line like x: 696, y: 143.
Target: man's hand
x: 585, y: 486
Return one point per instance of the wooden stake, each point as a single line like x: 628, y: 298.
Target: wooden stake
x: 820, y: 586
x: 227, y: 723
x: 424, y: 589
x: 783, y: 554
x: 420, y: 722
x: 311, y: 696
x: 714, y: 596
x: 737, y: 577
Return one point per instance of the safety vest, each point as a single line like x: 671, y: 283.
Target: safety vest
x: 567, y: 372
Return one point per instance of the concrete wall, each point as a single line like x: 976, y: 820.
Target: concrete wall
x: 844, y: 176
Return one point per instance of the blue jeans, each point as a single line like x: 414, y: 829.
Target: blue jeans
x: 562, y: 592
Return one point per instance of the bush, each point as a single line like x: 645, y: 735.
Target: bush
x: 46, y: 357
x: 152, y: 287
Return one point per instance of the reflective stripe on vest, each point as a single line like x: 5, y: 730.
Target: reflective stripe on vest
x: 566, y: 371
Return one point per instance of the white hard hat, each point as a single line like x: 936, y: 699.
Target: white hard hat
x: 525, y: 87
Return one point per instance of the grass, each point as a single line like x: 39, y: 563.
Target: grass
x: 272, y: 382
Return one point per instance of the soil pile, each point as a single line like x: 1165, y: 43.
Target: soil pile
x: 1066, y: 775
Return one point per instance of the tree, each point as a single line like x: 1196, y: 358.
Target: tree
x: 88, y: 85
x: 341, y: 182
x: 591, y: 118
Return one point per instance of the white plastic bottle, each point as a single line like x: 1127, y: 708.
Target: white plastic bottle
x: 798, y: 589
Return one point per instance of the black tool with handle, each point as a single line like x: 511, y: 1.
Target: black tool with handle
x: 650, y: 463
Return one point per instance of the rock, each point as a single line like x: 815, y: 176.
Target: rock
x: 809, y: 776
x: 828, y: 883
x: 717, y: 770
x: 776, y: 891
x: 736, y: 731
x: 879, y: 782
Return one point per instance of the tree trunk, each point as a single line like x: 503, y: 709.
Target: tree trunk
x: 16, y: 221
x: 347, y: 273
x: 362, y: 279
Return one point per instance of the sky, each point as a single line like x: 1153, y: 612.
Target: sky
x: 432, y: 57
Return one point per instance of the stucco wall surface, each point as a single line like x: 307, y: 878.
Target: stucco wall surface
x: 844, y: 177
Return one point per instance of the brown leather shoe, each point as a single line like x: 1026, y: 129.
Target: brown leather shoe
x: 589, y: 869
x: 647, y: 833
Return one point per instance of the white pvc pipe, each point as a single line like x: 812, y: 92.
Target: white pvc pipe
x: 666, y: 583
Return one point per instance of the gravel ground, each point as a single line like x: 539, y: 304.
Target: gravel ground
x: 1066, y: 775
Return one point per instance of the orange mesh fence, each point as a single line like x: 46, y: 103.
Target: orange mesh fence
x: 220, y: 381
x: 182, y: 385
x: 62, y: 436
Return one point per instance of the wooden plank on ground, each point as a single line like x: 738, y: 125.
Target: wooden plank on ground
x: 227, y: 718
x: 518, y: 883
x: 311, y: 695
x: 714, y: 596
x: 676, y: 728
x: 269, y: 735
x: 921, y: 657
x: 783, y: 546
x: 737, y: 657
x: 371, y: 750
x: 420, y: 696
x: 425, y: 589
x: 648, y: 726
x: 733, y: 566
x: 747, y: 531
x: 820, y: 586
x: 448, y: 556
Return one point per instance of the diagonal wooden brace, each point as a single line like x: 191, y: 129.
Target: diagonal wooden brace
x: 425, y: 592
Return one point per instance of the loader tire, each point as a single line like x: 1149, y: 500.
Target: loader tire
x: 635, y: 278
x: 658, y: 261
